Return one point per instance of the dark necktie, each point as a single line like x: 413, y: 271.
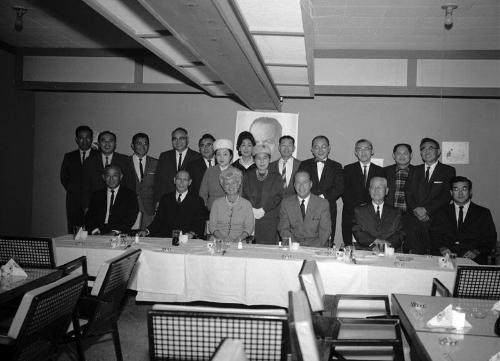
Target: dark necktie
x: 83, y: 157
x: 303, y: 209
x: 427, y: 174
x: 180, y: 162
x: 141, y: 169
x: 210, y: 163
x: 378, y: 212
x: 111, y: 200
x: 283, y: 175
x: 365, y: 174
x: 460, y: 217
x: 107, y: 161
x: 179, y: 199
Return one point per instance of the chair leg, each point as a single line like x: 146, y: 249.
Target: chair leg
x: 78, y: 333
x: 116, y: 341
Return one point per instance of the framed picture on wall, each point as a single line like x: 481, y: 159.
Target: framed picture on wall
x: 267, y: 128
x: 455, y: 152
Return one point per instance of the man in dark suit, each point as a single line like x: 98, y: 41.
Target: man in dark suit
x: 377, y: 222
x: 197, y: 167
x: 95, y: 164
x: 305, y: 217
x: 357, y: 178
x: 287, y: 165
x: 171, y: 161
x: 113, y: 209
x: 427, y: 192
x: 71, y: 176
x: 463, y: 227
x: 182, y: 209
x: 141, y: 179
x: 326, y: 175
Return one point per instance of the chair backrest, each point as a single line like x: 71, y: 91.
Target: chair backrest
x: 193, y: 333
x: 28, y: 252
x: 230, y: 350
x: 477, y: 282
x: 43, y: 317
x: 302, y: 337
x: 312, y: 285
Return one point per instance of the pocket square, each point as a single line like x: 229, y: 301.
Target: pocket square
x: 151, y: 172
x: 438, y: 182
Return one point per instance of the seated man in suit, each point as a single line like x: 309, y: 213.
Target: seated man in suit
x: 305, y: 217
x: 112, y: 210
x: 182, y: 209
x: 463, y: 227
x: 377, y: 222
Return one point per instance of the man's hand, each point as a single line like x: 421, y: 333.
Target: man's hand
x: 143, y: 233
x: 421, y: 214
x: 96, y: 231
x: 258, y: 213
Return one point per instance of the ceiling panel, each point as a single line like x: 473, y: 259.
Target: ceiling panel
x: 282, y: 49
x: 289, y: 75
x: 262, y: 15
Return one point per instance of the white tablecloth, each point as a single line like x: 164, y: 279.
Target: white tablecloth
x: 256, y: 275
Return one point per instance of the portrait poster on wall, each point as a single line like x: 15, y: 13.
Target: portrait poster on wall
x: 267, y: 128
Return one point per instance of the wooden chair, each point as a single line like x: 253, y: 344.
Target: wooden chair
x: 230, y: 350
x: 193, y: 333
x: 41, y: 320
x: 472, y: 282
x: 28, y: 252
x: 99, y: 309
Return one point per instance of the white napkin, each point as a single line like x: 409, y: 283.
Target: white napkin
x: 81, y: 235
x: 449, y: 318
x: 495, y: 357
x: 11, y: 268
x: 445, y: 262
x: 496, y: 307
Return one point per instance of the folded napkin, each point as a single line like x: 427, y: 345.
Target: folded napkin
x: 449, y: 318
x: 11, y: 268
x: 81, y: 235
x: 495, y: 357
x: 496, y: 307
x: 445, y: 262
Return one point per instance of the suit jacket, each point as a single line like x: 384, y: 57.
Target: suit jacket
x: 270, y: 199
x: 314, y: 230
x: 122, y: 215
x: 478, y: 231
x: 196, y: 169
x: 72, y: 180
x: 92, y: 173
x: 431, y: 195
x: 167, y: 169
x: 355, y: 191
x: 144, y: 189
x: 290, y: 189
x: 188, y: 216
x: 368, y: 226
x: 331, y: 184
x: 390, y: 175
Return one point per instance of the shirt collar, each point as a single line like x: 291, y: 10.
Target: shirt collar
x: 115, y: 189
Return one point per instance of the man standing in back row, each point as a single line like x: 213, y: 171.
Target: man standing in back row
x: 287, y: 165
x: 427, y: 192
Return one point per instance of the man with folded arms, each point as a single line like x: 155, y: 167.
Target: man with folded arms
x: 183, y: 210
x: 112, y: 210
x: 377, y: 223
x: 305, y: 217
x: 427, y: 191
x: 463, y: 227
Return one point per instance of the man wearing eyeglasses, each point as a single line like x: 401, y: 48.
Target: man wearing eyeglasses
x: 171, y: 161
x: 428, y: 191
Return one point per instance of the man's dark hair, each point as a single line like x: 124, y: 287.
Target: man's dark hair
x: 302, y: 171
x: 179, y: 129
x: 363, y: 141
x: 287, y: 137
x: 320, y: 137
x: 112, y: 166
x: 101, y: 134
x: 84, y: 128
x: 241, y: 137
x: 458, y: 179
x: 139, y: 135
x: 402, y: 145
x: 429, y: 140
x: 206, y: 136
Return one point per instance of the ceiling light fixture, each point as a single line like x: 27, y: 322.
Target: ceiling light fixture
x: 20, y: 11
x: 448, y: 15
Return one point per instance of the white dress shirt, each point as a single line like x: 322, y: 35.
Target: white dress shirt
x: 184, y: 152
x: 306, y: 201
x: 183, y: 195
x: 431, y: 169
x: 457, y: 210
x: 135, y: 159
x: 381, y: 208
x: 86, y: 152
x: 289, y: 168
x: 110, y: 159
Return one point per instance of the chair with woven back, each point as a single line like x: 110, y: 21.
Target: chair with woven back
x: 100, y: 308
x: 42, y: 318
x: 482, y: 282
x: 28, y: 252
x: 193, y: 332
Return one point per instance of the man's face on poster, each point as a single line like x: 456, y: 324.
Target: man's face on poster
x: 267, y: 131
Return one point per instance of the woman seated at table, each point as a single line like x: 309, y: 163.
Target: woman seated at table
x: 264, y: 190
x: 244, y: 145
x: 231, y: 216
x: 210, y: 188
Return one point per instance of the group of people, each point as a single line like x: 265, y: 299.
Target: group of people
x: 420, y: 209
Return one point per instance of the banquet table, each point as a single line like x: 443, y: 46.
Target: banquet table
x: 15, y: 286
x: 478, y: 342
x: 254, y: 275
